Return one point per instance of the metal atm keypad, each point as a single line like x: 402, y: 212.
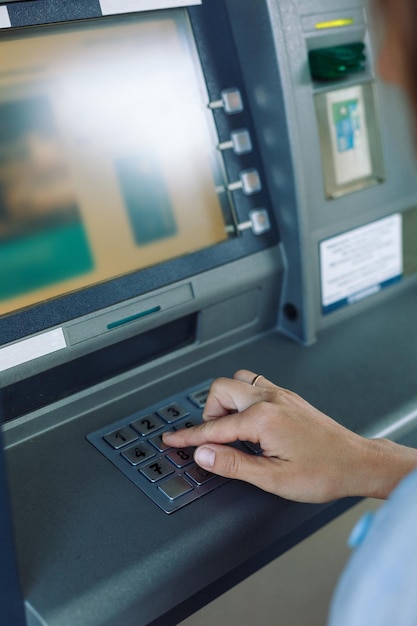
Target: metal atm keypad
x: 169, y: 476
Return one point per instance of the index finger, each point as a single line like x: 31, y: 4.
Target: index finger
x: 228, y: 429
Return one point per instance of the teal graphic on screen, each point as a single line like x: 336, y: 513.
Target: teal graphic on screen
x: 37, y: 259
x: 146, y: 198
x: 42, y: 236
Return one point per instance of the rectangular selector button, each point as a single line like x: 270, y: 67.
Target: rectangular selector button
x: 232, y: 101
x: 251, y: 182
x: 241, y: 140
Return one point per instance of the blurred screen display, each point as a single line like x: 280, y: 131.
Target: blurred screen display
x: 108, y: 155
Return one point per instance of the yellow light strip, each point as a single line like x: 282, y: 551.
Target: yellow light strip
x: 348, y: 21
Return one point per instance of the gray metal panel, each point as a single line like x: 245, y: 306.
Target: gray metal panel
x: 11, y: 606
x: 279, y: 77
x: 92, y: 548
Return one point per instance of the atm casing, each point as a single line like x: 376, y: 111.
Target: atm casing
x: 91, y: 548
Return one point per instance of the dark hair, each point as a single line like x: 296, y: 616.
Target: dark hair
x: 410, y: 48
x: 404, y: 14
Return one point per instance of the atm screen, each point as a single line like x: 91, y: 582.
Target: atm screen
x: 108, y: 154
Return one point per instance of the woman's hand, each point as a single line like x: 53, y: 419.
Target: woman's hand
x: 307, y: 456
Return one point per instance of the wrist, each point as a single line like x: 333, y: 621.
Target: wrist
x: 385, y: 464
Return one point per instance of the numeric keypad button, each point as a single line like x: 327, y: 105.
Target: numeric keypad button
x: 172, y: 413
x: 158, y: 469
x: 139, y: 453
x: 157, y: 441
x: 120, y: 437
x: 189, y: 423
x: 199, y: 475
x: 199, y: 397
x: 148, y: 424
x: 175, y: 487
x: 255, y: 448
x: 181, y: 457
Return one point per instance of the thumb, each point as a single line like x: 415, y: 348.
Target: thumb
x: 226, y: 461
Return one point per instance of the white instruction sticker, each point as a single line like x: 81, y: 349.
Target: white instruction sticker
x: 360, y: 262
x: 32, y: 348
x: 4, y: 18
x: 111, y: 7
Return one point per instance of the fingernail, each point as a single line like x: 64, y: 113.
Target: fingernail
x: 205, y: 457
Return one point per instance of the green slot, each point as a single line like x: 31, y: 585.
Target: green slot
x: 336, y: 62
x: 132, y: 318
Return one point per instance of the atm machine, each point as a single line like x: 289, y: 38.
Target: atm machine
x: 188, y: 187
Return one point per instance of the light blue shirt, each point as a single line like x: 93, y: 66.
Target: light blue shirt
x: 379, y: 584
